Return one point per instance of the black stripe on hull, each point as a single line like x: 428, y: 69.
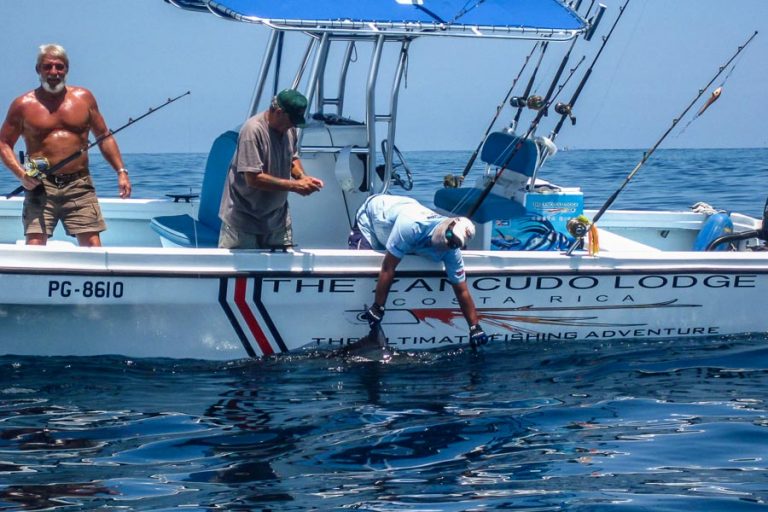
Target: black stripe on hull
x: 223, y: 284
x: 267, y: 319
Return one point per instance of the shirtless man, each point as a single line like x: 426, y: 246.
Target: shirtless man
x: 55, y: 120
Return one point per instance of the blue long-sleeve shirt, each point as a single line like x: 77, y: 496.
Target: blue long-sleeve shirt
x: 402, y: 225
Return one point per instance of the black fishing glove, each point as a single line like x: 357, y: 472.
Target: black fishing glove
x: 373, y: 315
x: 477, y: 336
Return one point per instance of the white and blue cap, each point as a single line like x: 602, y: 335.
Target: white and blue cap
x: 453, y: 233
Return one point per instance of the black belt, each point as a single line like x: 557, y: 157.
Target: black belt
x: 62, y: 179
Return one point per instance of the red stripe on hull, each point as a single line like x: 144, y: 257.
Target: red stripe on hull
x: 250, y: 319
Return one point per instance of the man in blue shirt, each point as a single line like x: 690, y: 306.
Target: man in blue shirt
x: 401, y: 225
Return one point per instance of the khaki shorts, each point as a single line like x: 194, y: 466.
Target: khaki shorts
x: 73, y: 203
x: 233, y: 238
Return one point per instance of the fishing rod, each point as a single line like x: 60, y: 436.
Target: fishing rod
x: 547, y: 101
x: 521, y: 101
x: 533, y: 101
x: 566, y: 109
x: 531, y: 129
x: 499, y: 108
x: 653, y: 148
x: 40, y: 166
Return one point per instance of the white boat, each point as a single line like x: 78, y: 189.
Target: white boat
x: 160, y: 288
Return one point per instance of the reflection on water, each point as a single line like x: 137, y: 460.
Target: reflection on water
x: 641, y: 425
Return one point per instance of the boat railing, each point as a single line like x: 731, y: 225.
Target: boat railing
x: 332, y: 149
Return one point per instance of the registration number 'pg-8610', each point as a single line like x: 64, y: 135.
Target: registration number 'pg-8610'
x: 86, y: 289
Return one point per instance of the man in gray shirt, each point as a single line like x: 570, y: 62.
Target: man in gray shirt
x: 266, y: 166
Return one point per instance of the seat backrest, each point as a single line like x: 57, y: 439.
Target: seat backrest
x: 216, y: 169
x: 500, y: 146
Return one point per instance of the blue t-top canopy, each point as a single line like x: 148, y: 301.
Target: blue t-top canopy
x: 531, y: 19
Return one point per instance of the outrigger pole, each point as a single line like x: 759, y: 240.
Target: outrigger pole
x: 499, y: 108
x: 653, y: 148
x: 52, y: 169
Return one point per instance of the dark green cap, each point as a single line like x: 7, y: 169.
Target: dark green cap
x: 294, y: 104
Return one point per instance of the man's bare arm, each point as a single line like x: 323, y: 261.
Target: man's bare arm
x: 467, y: 305
x: 305, y: 185
x: 108, y: 147
x: 9, y: 135
x: 386, y: 278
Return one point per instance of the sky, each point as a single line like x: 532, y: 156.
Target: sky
x: 135, y: 54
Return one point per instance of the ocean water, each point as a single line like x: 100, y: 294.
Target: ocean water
x: 556, y: 426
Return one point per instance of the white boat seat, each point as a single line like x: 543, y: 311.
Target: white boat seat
x: 186, y: 231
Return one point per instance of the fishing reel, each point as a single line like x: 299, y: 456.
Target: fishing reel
x: 578, y: 227
x: 535, y: 102
x: 565, y: 109
x: 452, y: 181
x: 531, y: 102
x: 517, y: 101
x: 36, y: 167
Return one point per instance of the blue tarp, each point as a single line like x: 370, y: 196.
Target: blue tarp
x: 478, y: 17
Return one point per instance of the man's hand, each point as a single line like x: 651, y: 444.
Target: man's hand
x: 306, y: 185
x: 30, y: 183
x: 124, y: 185
x: 477, y: 336
x: 374, y: 315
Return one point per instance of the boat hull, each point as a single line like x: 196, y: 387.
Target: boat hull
x: 219, y: 304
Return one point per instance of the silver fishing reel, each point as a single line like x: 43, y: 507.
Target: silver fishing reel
x: 36, y: 167
x: 578, y: 227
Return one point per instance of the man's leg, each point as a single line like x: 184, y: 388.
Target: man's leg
x: 89, y: 239
x: 231, y: 238
x: 279, y: 239
x: 80, y: 212
x: 37, y: 238
x: 36, y: 216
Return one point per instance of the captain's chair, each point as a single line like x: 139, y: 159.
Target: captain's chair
x: 185, y: 231
x: 501, y: 149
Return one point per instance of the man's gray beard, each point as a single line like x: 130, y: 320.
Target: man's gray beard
x: 53, y: 90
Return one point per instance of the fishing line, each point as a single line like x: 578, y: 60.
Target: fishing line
x: 568, y: 107
x: 464, y: 10
x: 612, y: 79
x: 499, y: 108
x: 653, y: 148
x: 531, y: 129
x: 711, y: 100
x: 517, y: 142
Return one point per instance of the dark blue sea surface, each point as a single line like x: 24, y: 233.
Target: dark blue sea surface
x: 555, y: 426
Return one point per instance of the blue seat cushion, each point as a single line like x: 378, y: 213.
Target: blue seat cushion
x: 507, y: 150
x: 460, y: 200
x: 185, y: 231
